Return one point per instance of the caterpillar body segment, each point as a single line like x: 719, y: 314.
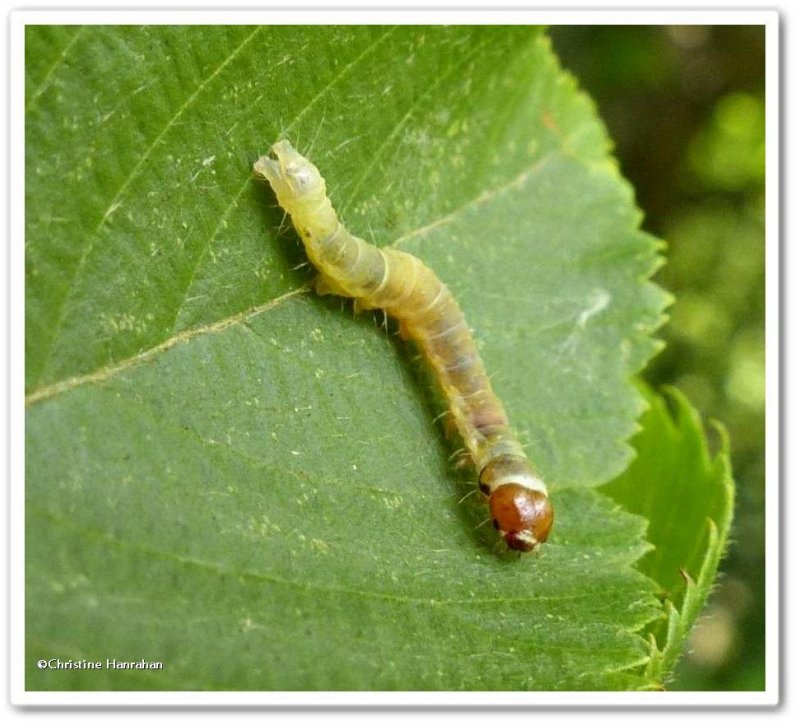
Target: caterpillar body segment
x: 410, y: 292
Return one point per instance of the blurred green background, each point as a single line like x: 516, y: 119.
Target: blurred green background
x: 685, y: 107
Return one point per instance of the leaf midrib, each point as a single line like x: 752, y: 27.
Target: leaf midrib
x: 116, y: 367
x: 115, y: 202
x: 324, y: 91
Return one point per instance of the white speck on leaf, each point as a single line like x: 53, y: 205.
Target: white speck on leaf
x: 598, y: 301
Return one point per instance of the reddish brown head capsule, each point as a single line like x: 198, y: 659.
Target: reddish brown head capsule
x: 523, y: 516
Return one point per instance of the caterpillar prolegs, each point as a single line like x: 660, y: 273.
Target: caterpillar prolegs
x: 410, y: 292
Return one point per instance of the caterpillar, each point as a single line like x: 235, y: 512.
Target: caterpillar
x: 428, y: 314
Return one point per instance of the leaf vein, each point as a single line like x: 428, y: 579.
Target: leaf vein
x: 377, y: 154
x: 223, y: 571
x: 484, y: 197
x: 59, y: 61
x: 109, y: 371
x: 115, y: 201
x: 221, y: 224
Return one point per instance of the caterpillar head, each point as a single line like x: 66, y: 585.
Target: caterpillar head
x: 295, y: 180
x: 521, y: 511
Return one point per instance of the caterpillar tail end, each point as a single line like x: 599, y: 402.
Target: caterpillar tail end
x: 283, y: 160
x: 268, y: 168
x: 297, y: 183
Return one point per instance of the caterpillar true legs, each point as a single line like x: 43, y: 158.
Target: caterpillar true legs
x: 428, y: 314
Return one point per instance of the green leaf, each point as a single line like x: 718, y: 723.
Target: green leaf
x: 233, y: 476
x: 687, y: 496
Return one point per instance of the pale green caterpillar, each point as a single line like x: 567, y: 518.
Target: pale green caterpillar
x: 407, y: 290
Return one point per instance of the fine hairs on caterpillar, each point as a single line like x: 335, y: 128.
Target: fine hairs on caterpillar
x: 410, y: 292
